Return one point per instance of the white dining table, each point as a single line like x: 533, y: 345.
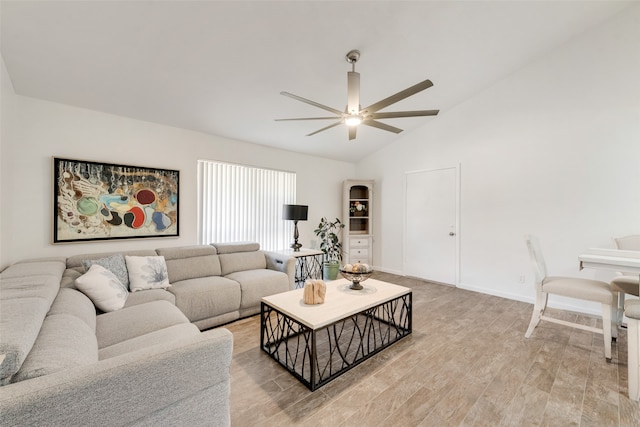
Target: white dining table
x: 624, y: 262
x: 621, y: 261
x: 611, y: 259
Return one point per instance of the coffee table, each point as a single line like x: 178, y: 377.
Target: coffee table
x: 317, y: 343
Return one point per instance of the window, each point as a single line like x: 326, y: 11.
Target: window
x: 244, y: 203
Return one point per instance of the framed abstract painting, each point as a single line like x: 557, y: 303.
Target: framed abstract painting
x: 105, y: 201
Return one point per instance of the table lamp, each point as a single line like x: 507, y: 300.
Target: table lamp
x: 295, y: 213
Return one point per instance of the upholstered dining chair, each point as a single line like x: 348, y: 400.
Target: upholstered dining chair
x: 572, y: 287
x: 632, y: 310
x: 625, y: 283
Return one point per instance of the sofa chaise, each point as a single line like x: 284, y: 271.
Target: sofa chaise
x: 158, y: 360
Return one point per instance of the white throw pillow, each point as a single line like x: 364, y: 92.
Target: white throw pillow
x: 147, y: 272
x: 103, y: 288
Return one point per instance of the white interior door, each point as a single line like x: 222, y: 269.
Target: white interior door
x: 431, y: 225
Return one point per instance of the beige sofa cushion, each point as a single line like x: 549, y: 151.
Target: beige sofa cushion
x: 44, y: 287
x: 65, y: 341
x: 191, y: 262
x: 18, y: 332
x: 143, y: 341
x: 70, y: 301
x: 206, y: 297
x: 69, y: 278
x: 48, y: 267
x: 75, y: 262
x: 242, y: 261
x: 233, y: 247
x: 24, y: 303
x: 256, y: 284
x: 149, y: 295
x: 131, y: 322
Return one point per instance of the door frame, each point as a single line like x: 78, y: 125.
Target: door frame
x: 457, y: 168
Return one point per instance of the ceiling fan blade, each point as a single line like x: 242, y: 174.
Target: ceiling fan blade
x: 352, y: 132
x: 307, y: 118
x: 315, y: 104
x: 381, y: 125
x: 325, y: 128
x: 398, y: 114
x: 398, y: 96
x: 353, y: 92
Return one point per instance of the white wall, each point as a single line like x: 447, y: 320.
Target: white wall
x: 33, y: 131
x: 552, y: 150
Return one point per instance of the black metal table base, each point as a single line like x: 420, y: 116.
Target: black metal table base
x: 308, y: 267
x: 317, y: 356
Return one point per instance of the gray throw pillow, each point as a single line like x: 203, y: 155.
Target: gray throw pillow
x: 115, y: 264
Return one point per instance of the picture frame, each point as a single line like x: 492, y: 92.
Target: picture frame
x: 107, y: 201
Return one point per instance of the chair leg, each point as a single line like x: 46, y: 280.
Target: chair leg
x: 538, y: 309
x: 606, y: 330
x: 620, y: 308
x: 633, y: 355
x: 614, y: 318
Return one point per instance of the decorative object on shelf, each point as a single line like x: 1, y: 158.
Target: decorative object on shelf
x: 328, y: 232
x: 314, y: 292
x: 358, y: 209
x: 105, y: 201
x: 295, y: 213
x: 356, y: 273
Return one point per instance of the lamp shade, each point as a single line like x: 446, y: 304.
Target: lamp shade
x: 295, y: 212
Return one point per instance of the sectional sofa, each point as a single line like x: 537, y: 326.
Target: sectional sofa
x: 157, y: 359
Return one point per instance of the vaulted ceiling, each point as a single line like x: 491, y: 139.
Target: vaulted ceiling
x: 219, y: 66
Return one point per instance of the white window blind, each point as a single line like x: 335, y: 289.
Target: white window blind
x: 244, y: 203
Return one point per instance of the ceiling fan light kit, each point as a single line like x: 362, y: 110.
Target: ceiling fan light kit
x: 353, y: 120
x: 369, y: 116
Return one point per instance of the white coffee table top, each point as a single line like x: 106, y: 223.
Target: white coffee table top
x: 339, y: 302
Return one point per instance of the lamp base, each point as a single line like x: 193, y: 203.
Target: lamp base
x: 295, y: 245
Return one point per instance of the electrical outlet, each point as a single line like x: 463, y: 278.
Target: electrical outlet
x: 522, y: 279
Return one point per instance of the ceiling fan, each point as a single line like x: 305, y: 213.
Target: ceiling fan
x: 354, y: 115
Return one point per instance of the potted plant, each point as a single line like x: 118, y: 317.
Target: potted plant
x: 330, y: 244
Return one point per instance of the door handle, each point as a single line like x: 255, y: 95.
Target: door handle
x: 451, y: 233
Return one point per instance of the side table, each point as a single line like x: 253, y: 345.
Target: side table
x: 308, y: 264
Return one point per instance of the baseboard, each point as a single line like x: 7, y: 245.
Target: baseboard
x: 489, y: 291
x: 517, y: 297
x: 561, y: 305
x: 386, y: 270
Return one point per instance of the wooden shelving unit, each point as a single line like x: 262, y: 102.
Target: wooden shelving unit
x: 357, y: 217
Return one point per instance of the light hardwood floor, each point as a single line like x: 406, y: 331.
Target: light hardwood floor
x: 466, y: 363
